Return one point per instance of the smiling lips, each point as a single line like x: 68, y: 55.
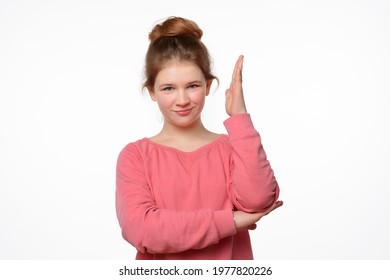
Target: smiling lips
x: 184, y: 112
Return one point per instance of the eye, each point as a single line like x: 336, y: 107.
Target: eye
x: 194, y: 86
x: 168, y: 89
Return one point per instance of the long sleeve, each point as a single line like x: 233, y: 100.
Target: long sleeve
x: 252, y: 187
x: 154, y: 230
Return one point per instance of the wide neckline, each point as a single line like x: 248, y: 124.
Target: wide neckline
x: 201, y: 148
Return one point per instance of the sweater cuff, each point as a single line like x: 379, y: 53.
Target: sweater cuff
x: 240, y: 126
x: 224, y: 222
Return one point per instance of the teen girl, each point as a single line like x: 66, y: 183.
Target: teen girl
x: 189, y: 193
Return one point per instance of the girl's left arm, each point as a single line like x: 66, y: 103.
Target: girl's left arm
x: 253, y: 187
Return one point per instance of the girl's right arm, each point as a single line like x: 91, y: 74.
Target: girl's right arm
x: 154, y: 230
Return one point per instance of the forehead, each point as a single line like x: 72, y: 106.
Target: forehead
x: 177, y: 72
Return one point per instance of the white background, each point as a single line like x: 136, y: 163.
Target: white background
x: 316, y: 80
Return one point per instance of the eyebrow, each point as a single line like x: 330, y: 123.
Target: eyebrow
x: 165, y: 85
x: 190, y: 83
x: 195, y: 82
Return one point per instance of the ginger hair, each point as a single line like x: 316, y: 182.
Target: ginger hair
x: 177, y: 39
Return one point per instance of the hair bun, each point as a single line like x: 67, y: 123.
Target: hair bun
x: 175, y: 26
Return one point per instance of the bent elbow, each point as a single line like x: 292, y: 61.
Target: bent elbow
x: 262, y: 202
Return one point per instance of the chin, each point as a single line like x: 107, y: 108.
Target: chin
x: 184, y: 123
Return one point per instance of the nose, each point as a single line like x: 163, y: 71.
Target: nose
x: 182, y: 98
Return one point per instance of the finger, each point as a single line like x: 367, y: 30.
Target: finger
x: 237, y: 72
x: 279, y: 203
x: 276, y: 205
x: 239, y: 63
x: 252, y: 227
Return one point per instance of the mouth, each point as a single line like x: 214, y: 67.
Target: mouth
x: 183, y: 112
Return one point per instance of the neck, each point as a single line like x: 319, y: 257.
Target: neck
x: 195, y: 129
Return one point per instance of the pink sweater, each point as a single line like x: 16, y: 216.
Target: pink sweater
x: 179, y: 205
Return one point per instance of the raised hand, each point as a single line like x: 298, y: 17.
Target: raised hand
x: 235, y: 103
x: 245, y: 220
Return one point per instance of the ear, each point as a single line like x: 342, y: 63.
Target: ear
x: 151, y: 93
x: 208, y: 86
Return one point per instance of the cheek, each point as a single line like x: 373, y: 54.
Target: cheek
x: 200, y: 98
x: 164, y: 101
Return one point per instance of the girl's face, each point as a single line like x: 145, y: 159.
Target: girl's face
x: 180, y: 89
